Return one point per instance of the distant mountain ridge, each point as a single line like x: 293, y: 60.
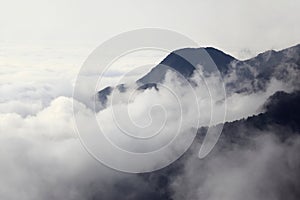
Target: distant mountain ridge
x: 239, y: 76
x: 253, y: 74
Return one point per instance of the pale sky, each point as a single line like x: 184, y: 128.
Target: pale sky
x: 242, y: 28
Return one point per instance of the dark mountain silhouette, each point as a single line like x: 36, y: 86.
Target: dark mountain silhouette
x: 185, y: 60
x: 281, y: 112
x: 182, y: 61
x: 247, y: 76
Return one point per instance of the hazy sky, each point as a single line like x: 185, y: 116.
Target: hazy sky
x: 241, y: 28
x: 42, y: 46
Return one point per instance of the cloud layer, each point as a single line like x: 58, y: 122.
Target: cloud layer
x: 42, y: 157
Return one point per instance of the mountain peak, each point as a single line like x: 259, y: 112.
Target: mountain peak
x: 210, y: 50
x: 198, y: 55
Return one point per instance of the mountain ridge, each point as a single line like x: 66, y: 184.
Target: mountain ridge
x: 251, y: 75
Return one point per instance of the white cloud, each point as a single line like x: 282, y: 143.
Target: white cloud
x: 42, y: 157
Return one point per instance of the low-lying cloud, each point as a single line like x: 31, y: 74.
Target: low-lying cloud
x: 42, y: 157
x: 266, y: 169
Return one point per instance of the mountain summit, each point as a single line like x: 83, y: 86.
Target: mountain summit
x: 185, y: 60
x: 239, y: 76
